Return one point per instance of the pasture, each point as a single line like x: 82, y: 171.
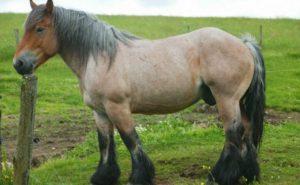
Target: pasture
x: 183, y: 146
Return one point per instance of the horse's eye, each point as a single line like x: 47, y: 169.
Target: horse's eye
x: 40, y: 29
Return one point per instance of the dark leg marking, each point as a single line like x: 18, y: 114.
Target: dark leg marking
x: 207, y: 95
x: 143, y: 171
x: 108, y: 171
x: 250, y: 170
x: 237, y: 159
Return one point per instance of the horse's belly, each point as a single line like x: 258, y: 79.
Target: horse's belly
x: 166, y: 98
x: 155, y: 107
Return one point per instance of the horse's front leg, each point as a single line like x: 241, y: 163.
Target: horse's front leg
x: 108, y: 170
x: 142, y: 167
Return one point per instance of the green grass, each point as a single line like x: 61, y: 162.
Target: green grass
x: 180, y: 149
x: 58, y: 89
x: 176, y: 147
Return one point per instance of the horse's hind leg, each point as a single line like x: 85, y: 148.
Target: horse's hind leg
x: 237, y: 158
x: 227, y: 170
x: 251, y: 167
x: 142, y: 168
x: 108, y: 170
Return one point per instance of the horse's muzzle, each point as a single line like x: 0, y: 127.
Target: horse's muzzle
x: 25, y: 63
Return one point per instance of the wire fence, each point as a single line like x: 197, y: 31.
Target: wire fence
x: 283, y: 70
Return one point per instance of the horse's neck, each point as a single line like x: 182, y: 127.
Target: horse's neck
x: 80, y: 68
x: 76, y: 66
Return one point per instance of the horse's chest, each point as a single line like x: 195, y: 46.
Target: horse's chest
x: 92, y: 94
x: 92, y: 85
x: 93, y: 100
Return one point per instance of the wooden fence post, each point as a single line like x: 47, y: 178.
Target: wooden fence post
x: 0, y: 140
x: 260, y: 35
x: 188, y: 28
x: 17, y: 36
x: 23, y: 154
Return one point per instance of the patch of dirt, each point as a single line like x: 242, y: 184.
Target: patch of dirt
x: 271, y: 116
x: 204, y: 108
x: 159, y: 181
x: 53, y: 136
x: 172, y: 161
x: 195, y: 171
x: 277, y: 117
x: 187, y: 168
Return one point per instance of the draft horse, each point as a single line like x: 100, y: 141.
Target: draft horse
x: 120, y: 74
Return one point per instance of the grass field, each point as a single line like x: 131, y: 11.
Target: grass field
x: 182, y: 152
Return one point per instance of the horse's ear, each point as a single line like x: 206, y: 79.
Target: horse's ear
x: 49, y: 6
x: 32, y: 4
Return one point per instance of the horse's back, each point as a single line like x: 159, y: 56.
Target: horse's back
x: 167, y: 75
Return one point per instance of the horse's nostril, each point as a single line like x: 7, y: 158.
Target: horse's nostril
x: 23, y: 65
x: 20, y: 63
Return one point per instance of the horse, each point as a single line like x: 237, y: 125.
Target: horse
x: 121, y: 74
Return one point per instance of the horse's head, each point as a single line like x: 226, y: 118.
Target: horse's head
x: 39, y: 42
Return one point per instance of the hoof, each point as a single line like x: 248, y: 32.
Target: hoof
x: 106, y: 175
x: 143, y: 170
x: 144, y: 177
x: 227, y: 170
x: 232, y: 167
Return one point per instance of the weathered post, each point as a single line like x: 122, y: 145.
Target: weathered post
x: 0, y: 141
x: 23, y: 154
x: 188, y: 28
x: 260, y: 35
x: 17, y: 36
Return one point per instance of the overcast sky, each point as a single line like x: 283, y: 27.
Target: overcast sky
x: 190, y: 8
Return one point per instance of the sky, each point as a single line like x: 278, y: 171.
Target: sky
x: 186, y: 8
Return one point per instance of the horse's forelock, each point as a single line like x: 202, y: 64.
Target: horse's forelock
x: 35, y: 16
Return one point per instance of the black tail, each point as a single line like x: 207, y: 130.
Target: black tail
x: 254, y: 100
